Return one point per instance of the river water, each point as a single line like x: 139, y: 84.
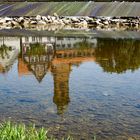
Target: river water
x: 85, y: 87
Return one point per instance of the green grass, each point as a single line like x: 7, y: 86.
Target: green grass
x: 11, y: 131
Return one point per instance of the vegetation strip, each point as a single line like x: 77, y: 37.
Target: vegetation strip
x: 10, y: 131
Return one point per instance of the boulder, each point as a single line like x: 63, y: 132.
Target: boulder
x: 53, y: 18
x: 21, y: 19
x: 33, y: 22
x: 2, y: 21
x: 44, y: 18
x: 55, y: 15
x: 38, y: 17
x: 75, y: 19
x: 83, y: 24
x: 41, y: 22
x: 8, y: 19
x: 14, y: 23
x: 66, y: 21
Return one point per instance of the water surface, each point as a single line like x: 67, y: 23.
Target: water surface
x: 84, y: 87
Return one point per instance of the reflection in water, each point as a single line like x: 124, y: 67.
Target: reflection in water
x: 61, y: 86
x: 39, y: 56
x: 7, y: 54
x: 118, y: 55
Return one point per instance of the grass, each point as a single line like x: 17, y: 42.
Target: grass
x: 11, y: 131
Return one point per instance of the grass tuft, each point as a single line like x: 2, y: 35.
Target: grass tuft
x: 10, y: 131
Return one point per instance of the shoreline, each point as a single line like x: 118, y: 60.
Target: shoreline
x: 71, y: 33
x: 70, y: 22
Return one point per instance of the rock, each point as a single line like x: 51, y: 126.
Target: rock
x: 33, y: 22
x: 2, y: 21
x: 48, y: 17
x: 14, y: 23
x: 88, y: 19
x: 38, y: 17
x: 8, y: 19
x: 44, y: 18
x: 21, y: 19
x: 65, y: 21
x: 53, y: 18
x: 25, y: 24
x: 61, y: 22
x: 49, y: 21
x: 106, y: 22
x: 55, y: 15
x: 56, y: 22
x: 75, y: 19
x: 83, y: 24
x: 99, y: 22
x: 41, y: 22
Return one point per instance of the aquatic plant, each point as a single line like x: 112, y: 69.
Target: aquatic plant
x: 11, y: 131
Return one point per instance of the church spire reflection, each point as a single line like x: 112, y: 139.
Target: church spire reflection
x: 61, y: 73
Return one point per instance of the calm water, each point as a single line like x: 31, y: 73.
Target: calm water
x: 84, y: 87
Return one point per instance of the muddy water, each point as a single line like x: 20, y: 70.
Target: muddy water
x: 84, y: 87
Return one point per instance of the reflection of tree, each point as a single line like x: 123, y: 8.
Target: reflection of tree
x: 36, y: 49
x: 118, y: 55
x: 4, y: 51
x: 4, y: 54
x: 83, y: 45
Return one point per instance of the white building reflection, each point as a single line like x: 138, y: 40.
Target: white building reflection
x: 10, y: 47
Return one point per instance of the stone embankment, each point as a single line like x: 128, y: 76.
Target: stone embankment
x: 85, y: 22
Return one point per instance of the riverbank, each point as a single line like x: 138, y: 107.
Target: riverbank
x: 71, y: 33
x: 71, y: 22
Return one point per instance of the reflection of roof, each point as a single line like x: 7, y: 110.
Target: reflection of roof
x: 74, y: 56
x: 1, y: 69
x: 72, y: 60
x: 22, y: 68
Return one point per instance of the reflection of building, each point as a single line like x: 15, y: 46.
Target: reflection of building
x: 41, y: 54
x: 35, y: 39
x: 38, y: 57
x: 63, y: 43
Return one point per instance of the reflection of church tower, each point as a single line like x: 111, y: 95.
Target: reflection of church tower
x: 61, y: 74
